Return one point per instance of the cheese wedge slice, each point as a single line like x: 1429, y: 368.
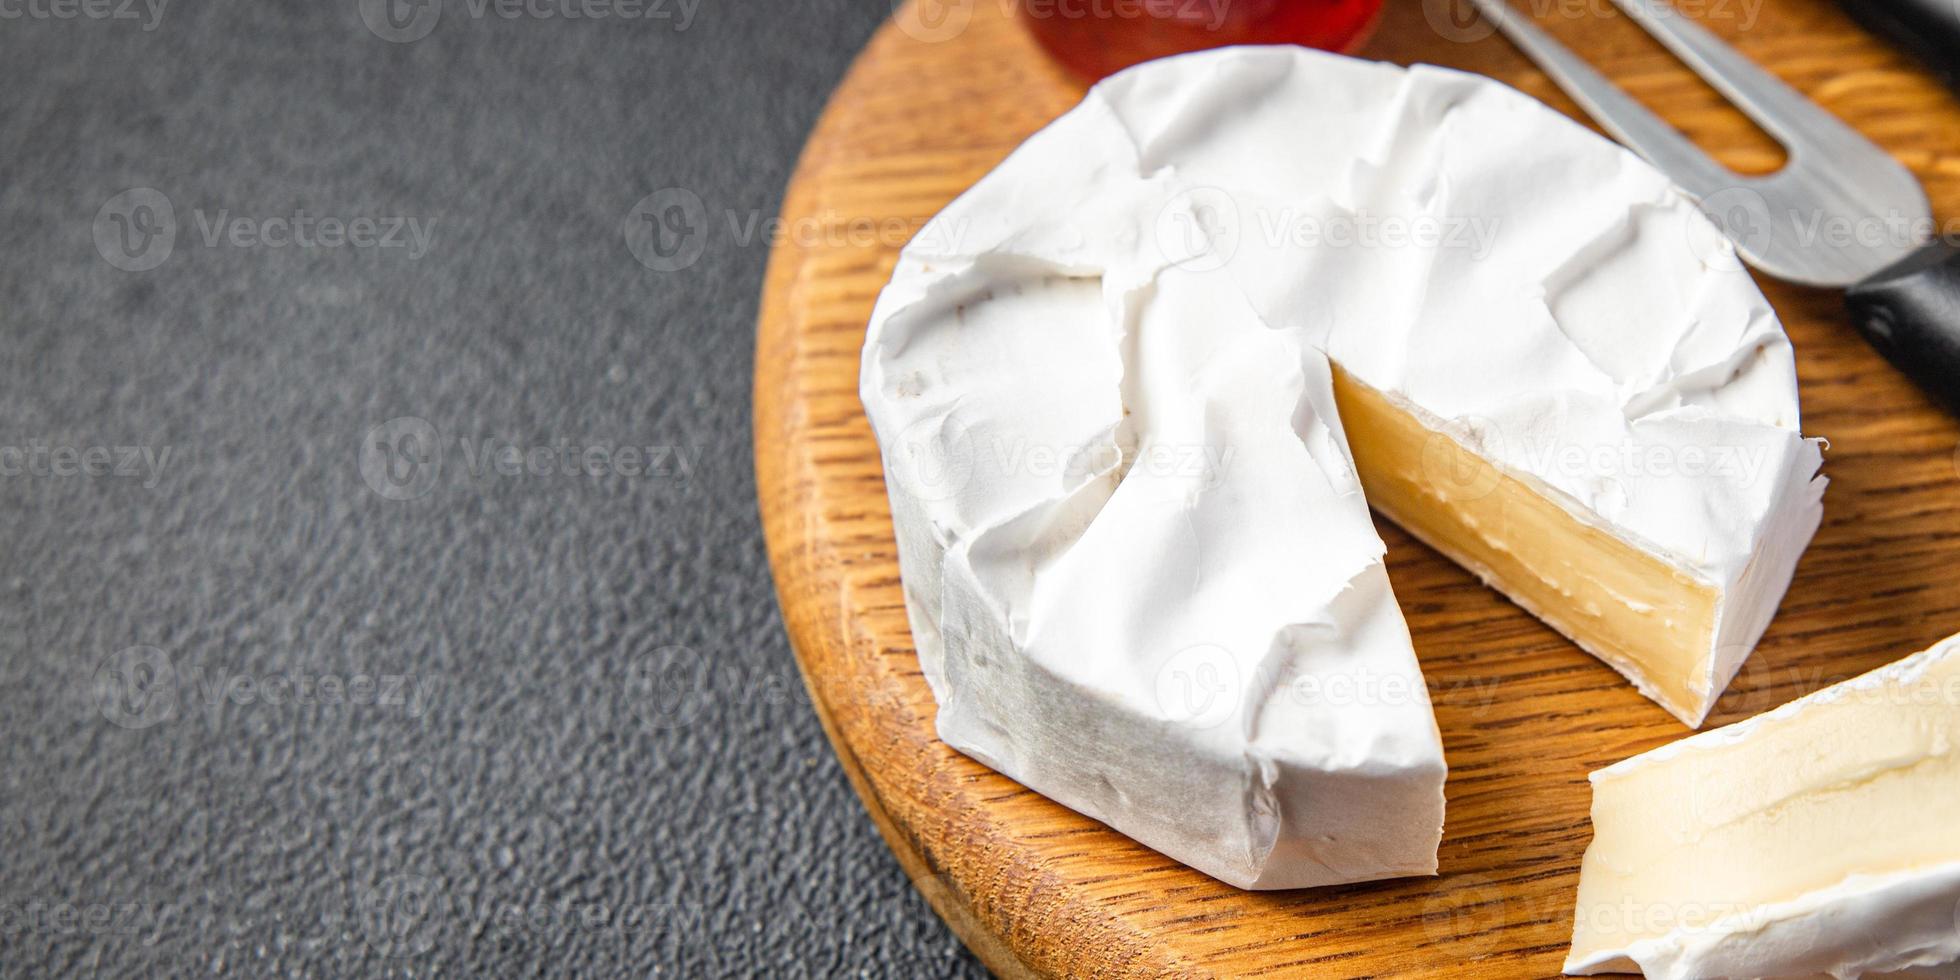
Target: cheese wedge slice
x: 1819, y: 838
x: 1137, y: 388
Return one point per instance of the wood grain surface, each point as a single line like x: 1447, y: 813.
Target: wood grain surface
x: 1036, y: 889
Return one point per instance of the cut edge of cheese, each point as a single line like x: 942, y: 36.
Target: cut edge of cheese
x: 1817, y: 838
x: 1663, y: 626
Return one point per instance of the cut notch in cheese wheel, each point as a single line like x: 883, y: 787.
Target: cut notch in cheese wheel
x: 1652, y: 622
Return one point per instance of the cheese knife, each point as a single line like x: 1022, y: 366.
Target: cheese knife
x: 1842, y: 213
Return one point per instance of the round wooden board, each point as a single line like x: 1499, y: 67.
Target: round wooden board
x: 1036, y: 889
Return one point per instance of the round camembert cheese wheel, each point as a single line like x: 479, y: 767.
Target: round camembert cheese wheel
x: 1138, y: 388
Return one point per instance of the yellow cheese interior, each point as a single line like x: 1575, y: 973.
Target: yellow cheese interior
x: 1860, y: 781
x: 1652, y: 622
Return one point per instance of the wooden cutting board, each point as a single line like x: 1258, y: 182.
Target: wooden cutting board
x: 1036, y: 889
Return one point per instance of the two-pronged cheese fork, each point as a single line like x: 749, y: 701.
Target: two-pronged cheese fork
x: 1841, y: 213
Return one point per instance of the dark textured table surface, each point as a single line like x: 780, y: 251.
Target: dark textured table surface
x: 383, y: 590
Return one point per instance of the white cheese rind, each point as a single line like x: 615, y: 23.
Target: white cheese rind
x: 1099, y: 380
x: 1195, y: 711
x: 1882, y: 925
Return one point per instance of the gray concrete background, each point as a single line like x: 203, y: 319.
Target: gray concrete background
x: 287, y: 687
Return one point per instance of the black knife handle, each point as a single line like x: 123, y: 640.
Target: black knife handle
x: 1911, y: 313
x: 1929, y: 29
